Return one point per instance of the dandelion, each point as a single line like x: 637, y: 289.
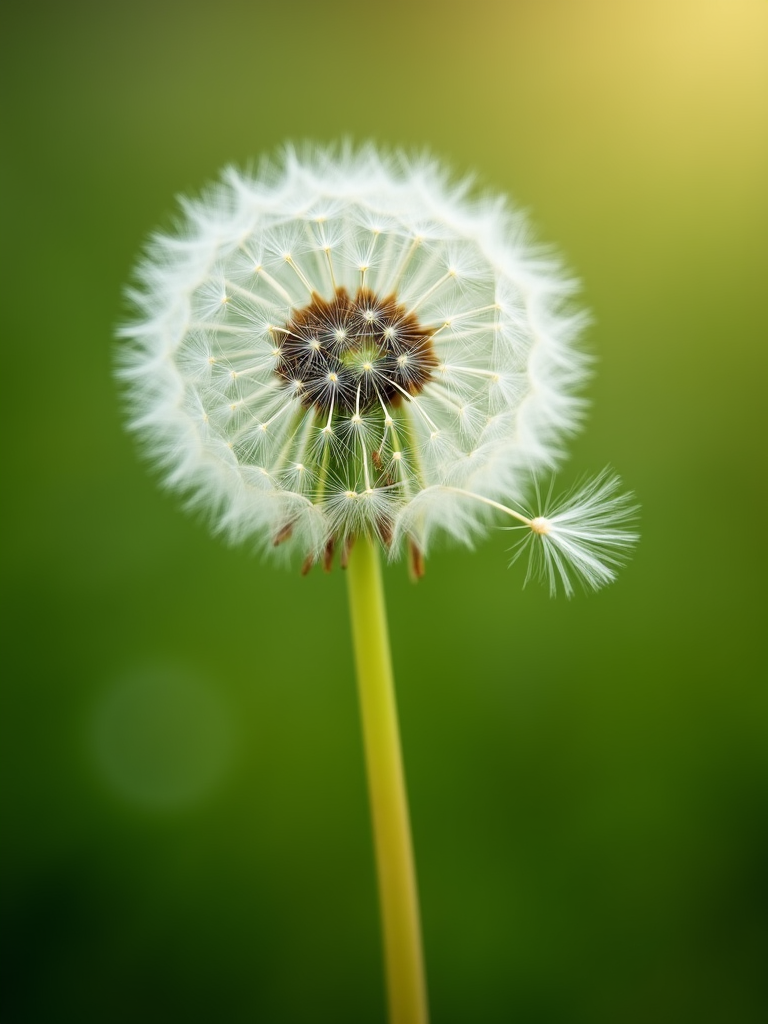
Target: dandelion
x: 348, y: 345
x: 346, y: 352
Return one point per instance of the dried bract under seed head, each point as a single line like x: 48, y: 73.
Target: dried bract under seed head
x: 347, y: 343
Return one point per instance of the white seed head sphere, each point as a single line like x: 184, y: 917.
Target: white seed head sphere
x: 350, y: 343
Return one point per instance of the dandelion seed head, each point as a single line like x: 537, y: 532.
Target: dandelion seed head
x: 348, y: 342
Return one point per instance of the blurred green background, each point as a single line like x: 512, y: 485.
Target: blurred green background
x: 186, y: 834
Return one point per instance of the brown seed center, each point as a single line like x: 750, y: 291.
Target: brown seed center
x: 354, y: 354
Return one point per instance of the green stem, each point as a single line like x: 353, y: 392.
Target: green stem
x: 406, y: 985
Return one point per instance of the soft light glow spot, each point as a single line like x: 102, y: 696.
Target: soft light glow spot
x: 162, y: 737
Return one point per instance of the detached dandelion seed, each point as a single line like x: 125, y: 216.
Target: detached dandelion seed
x: 348, y: 352
x: 586, y: 535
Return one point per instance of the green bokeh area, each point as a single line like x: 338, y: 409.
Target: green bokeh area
x: 186, y: 835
